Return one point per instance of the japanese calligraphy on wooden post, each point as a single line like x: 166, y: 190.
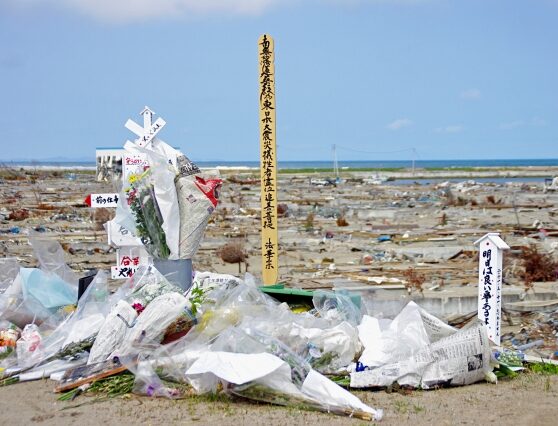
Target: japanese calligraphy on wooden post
x: 268, y: 160
x: 490, y: 283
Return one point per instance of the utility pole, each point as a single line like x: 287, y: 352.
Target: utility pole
x: 335, y: 163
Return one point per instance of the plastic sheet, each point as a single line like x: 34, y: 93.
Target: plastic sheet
x: 50, y: 255
x: 9, y: 268
x: 23, y: 309
x: 49, y: 289
x: 336, y: 307
x: 91, y: 311
x: 83, y: 324
x: 29, y: 343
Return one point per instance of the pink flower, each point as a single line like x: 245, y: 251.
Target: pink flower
x: 138, y: 307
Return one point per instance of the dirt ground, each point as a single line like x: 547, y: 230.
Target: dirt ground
x: 525, y: 400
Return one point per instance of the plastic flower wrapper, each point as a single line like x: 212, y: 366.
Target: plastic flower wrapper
x: 149, y: 219
x: 151, y: 285
x: 510, y: 358
x: 147, y: 382
x: 155, y: 208
x: 208, y: 281
x: 112, y: 332
x: 129, y: 301
x: 506, y: 363
x: 29, y: 344
x: 223, y: 307
x: 261, y: 368
x: 9, y: 334
x: 150, y: 326
x: 327, y: 348
x: 198, y: 196
x: 336, y: 307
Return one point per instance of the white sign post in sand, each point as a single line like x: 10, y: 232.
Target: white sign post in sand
x: 102, y: 200
x: 491, y: 248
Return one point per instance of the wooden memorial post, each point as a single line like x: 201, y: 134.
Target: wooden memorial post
x: 491, y: 248
x: 268, y: 161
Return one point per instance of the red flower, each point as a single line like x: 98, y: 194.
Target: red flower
x: 138, y: 307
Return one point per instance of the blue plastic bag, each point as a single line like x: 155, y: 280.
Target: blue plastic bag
x: 47, y: 288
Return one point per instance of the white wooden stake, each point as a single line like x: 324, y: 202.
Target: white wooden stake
x: 147, y: 116
x: 491, y: 248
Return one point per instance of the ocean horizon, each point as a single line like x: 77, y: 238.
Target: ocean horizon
x: 321, y: 164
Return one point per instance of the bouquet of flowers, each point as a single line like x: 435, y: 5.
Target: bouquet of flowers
x: 171, y: 194
x: 149, y: 220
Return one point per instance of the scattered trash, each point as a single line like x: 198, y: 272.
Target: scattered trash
x: 19, y: 214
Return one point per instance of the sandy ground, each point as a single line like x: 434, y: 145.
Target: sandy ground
x: 526, y: 400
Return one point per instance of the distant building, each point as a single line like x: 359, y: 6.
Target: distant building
x: 109, y: 164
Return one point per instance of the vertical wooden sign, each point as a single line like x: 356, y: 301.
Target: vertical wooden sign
x: 491, y: 248
x: 268, y: 160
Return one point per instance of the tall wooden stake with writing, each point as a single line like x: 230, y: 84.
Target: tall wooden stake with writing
x: 268, y: 160
x: 491, y: 248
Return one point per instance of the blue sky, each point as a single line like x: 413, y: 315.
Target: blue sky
x: 452, y: 79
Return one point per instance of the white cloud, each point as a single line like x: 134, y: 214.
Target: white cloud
x: 457, y: 128
x: 399, y: 124
x: 512, y: 125
x: 124, y: 11
x: 537, y: 122
x: 131, y: 11
x: 470, y: 94
x: 533, y: 122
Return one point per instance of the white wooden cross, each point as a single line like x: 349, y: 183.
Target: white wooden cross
x: 491, y: 248
x: 147, y: 133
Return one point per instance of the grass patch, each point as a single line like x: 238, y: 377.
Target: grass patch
x: 545, y: 368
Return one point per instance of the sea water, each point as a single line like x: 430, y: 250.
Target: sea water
x: 343, y: 165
